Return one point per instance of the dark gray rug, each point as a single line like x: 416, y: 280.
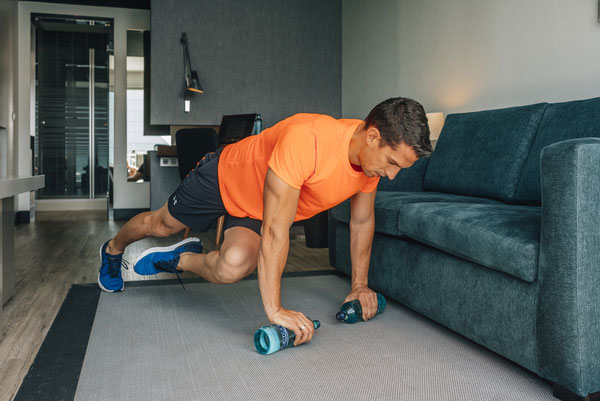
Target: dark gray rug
x: 163, y: 343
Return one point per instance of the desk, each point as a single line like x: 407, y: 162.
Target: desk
x: 164, y: 180
x: 9, y: 187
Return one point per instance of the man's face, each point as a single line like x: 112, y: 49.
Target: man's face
x: 384, y: 161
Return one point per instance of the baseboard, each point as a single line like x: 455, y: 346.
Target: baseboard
x: 126, y: 214
x: 45, y: 205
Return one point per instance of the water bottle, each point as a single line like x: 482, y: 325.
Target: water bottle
x: 258, y: 123
x: 272, y: 338
x: 351, y: 311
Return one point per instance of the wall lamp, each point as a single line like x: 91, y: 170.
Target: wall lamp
x: 191, y: 82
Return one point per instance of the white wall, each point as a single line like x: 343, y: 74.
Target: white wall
x: 467, y: 55
x: 7, y: 67
x: 125, y: 195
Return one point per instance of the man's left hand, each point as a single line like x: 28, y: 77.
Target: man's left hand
x: 367, y: 299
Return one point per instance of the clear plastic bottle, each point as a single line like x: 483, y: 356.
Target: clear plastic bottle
x: 272, y: 338
x: 351, y: 311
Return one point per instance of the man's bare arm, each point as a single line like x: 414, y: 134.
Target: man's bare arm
x: 280, y: 205
x: 362, y: 228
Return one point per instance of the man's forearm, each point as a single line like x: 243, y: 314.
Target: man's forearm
x: 361, y: 240
x: 272, y: 256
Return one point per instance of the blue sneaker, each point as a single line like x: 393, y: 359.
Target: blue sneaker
x: 109, y: 276
x: 165, y: 259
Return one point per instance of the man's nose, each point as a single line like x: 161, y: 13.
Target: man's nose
x: 391, y: 172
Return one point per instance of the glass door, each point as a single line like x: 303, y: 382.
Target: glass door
x: 72, y: 105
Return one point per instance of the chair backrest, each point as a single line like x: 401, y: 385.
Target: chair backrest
x: 192, y: 145
x: 235, y: 127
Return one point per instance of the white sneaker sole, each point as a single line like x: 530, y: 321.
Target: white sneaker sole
x: 164, y: 248
x: 99, y: 283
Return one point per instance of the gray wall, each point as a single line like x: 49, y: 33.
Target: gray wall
x: 466, y: 55
x: 274, y: 57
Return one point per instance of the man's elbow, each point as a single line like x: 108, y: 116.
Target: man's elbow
x: 362, y: 221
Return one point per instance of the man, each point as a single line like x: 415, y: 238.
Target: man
x: 135, y: 174
x: 301, y: 166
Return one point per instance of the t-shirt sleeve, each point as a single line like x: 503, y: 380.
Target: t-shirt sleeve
x: 294, y: 156
x: 371, y: 185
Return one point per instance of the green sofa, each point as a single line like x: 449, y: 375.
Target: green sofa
x: 497, y: 237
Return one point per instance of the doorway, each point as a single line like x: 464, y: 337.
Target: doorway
x: 74, y: 95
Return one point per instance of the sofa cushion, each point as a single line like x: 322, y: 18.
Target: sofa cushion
x: 502, y: 237
x: 483, y: 153
x: 561, y: 121
x: 388, y: 204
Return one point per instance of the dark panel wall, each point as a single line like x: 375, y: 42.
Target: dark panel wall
x: 274, y: 57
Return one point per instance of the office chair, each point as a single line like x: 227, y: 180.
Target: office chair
x: 192, y: 145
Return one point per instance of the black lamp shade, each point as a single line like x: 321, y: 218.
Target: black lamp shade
x: 194, y: 84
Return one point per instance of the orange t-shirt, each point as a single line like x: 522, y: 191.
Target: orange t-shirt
x: 307, y: 151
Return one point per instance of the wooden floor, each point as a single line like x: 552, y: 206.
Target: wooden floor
x: 60, y: 249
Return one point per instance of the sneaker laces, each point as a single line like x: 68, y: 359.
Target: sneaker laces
x: 114, y: 266
x: 170, y: 266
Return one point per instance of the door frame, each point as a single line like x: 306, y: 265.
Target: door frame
x: 91, y: 99
x: 125, y: 197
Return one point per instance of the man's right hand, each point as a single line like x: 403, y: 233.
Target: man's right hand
x: 302, y: 326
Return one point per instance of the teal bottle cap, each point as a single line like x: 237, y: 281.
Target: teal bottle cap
x: 272, y: 338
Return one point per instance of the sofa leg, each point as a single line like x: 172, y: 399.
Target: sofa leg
x: 566, y: 395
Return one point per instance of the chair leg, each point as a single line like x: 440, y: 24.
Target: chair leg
x: 220, y: 224
x: 186, y: 233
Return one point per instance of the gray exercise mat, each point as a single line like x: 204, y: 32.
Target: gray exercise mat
x: 163, y: 343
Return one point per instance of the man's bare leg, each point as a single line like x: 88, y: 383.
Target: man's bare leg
x: 157, y: 223
x: 237, y: 258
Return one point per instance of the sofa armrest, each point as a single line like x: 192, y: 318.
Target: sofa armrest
x: 407, y: 180
x: 568, y: 308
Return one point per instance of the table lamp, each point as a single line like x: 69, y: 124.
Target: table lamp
x: 436, y: 122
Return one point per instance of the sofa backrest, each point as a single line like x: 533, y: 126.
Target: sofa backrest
x: 407, y: 179
x: 483, y: 153
x: 561, y: 121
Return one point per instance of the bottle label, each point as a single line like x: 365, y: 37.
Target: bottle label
x: 283, y: 333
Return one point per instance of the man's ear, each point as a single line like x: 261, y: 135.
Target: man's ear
x: 373, y: 135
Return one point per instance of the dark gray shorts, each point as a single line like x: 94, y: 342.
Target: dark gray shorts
x: 197, y: 201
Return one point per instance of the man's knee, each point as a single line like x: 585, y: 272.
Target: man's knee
x: 235, y: 263
x: 161, y: 225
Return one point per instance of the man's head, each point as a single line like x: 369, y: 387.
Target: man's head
x: 397, y: 135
